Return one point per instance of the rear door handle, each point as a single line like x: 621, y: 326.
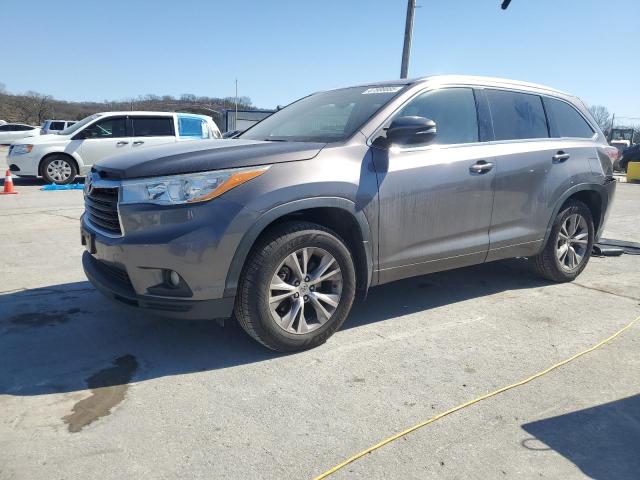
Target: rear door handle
x: 122, y: 143
x: 560, y: 157
x: 480, y: 167
x: 138, y: 142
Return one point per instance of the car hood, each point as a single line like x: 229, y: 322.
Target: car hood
x: 203, y: 155
x: 51, y: 139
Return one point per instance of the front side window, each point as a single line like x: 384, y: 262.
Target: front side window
x: 56, y: 126
x: 517, y: 116
x: 453, y: 110
x: 192, y: 127
x: 152, y: 126
x: 565, y: 121
x: 325, y: 117
x: 107, y: 128
x: 78, y: 125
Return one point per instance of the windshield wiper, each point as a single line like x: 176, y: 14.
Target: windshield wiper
x: 274, y: 140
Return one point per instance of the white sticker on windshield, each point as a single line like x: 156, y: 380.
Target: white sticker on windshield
x: 369, y: 91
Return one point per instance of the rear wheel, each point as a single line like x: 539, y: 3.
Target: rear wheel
x: 568, y: 248
x: 59, y: 169
x: 297, y: 287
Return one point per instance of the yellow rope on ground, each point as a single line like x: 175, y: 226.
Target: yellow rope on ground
x: 469, y: 403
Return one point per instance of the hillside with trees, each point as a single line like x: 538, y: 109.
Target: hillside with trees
x: 33, y: 107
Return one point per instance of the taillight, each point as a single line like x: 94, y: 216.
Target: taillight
x: 613, y: 153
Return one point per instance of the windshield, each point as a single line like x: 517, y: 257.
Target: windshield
x: 323, y: 117
x: 77, y: 126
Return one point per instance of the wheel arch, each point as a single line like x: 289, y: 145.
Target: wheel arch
x: 52, y: 154
x: 337, y: 214
x: 594, y: 196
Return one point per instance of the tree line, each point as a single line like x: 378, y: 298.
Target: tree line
x: 34, y: 108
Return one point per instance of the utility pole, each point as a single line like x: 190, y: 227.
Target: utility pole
x: 408, y: 33
x: 613, y: 119
x: 235, y: 120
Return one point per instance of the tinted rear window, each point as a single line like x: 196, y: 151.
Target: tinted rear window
x: 152, y: 126
x: 517, y: 115
x: 565, y: 121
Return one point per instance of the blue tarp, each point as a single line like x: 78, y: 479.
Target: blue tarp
x: 71, y: 186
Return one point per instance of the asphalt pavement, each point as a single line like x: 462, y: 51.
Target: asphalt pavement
x: 92, y: 390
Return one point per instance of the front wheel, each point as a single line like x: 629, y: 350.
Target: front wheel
x: 297, y: 287
x: 59, y: 169
x: 568, y: 248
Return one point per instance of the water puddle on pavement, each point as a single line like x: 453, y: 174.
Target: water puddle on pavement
x: 108, y: 389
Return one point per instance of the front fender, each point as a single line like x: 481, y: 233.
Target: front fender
x: 268, y: 217
x: 72, y: 151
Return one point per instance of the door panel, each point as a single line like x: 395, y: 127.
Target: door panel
x: 148, y: 131
x: 104, y: 138
x: 95, y: 149
x: 520, y: 208
x: 432, y: 209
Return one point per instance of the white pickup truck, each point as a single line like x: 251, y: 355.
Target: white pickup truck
x: 61, y: 157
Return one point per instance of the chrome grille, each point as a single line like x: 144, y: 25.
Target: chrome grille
x: 101, y: 206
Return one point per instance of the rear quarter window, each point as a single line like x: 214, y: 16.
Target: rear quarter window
x: 192, y: 127
x: 517, y: 116
x: 565, y: 121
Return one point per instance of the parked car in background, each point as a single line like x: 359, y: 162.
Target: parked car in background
x: 55, y: 126
x: 60, y: 158
x: 10, y: 132
x: 629, y: 154
x: 347, y: 189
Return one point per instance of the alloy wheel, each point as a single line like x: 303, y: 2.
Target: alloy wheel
x: 572, y: 243
x: 59, y: 170
x: 305, y: 290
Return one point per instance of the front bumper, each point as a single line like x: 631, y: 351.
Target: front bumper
x: 115, y: 286
x: 25, y: 165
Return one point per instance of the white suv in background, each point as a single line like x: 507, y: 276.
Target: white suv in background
x: 55, y: 126
x: 60, y: 158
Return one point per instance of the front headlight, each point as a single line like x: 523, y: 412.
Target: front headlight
x: 21, y: 149
x: 188, y: 188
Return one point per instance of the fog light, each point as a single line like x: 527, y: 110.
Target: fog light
x: 174, y: 278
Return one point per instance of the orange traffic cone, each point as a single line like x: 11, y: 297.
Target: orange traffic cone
x: 8, y: 184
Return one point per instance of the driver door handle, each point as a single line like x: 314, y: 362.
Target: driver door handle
x: 138, y: 142
x: 481, y: 167
x: 560, y: 157
x: 122, y: 143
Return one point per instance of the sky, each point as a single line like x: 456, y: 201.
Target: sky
x: 280, y: 50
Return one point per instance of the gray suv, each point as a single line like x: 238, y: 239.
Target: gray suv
x: 346, y: 189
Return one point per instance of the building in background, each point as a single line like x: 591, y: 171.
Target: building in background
x: 244, y: 120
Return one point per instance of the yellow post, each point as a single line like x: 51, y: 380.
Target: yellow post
x: 633, y: 172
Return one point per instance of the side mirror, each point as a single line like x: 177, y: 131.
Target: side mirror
x: 81, y: 135
x: 411, y: 131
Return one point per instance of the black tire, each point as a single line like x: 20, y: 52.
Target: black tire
x: 59, y: 158
x: 546, y: 264
x: 252, y: 299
